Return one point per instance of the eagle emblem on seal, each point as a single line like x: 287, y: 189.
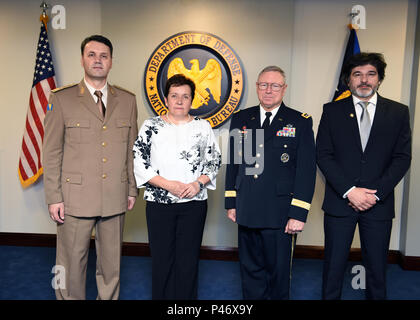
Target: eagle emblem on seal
x: 210, y: 77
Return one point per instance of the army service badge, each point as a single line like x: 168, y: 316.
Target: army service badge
x: 207, y: 60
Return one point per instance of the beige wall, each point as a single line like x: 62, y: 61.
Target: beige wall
x: 138, y: 32
x: 305, y: 37
x: 410, y: 219
x: 320, y: 37
x: 25, y: 210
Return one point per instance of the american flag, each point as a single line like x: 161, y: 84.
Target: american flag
x: 30, y: 166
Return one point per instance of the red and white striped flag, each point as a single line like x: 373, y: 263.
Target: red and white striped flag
x: 30, y: 166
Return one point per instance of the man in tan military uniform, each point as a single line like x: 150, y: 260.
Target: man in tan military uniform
x: 90, y: 129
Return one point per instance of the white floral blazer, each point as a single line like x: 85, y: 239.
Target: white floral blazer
x: 175, y: 152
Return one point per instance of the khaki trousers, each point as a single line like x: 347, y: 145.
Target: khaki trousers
x: 73, y: 238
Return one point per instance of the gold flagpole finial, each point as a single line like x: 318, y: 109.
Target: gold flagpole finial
x: 44, y: 17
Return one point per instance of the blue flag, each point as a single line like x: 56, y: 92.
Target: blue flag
x: 352, y: 48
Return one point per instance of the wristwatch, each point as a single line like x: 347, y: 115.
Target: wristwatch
x: 200, y: 185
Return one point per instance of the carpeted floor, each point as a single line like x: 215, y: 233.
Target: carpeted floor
x: 25, y: 274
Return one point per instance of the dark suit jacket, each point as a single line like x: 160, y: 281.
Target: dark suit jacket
x: 285, y: 187
x: 381, y: 166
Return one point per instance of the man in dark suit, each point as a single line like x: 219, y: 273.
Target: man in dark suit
x: 363, y: 150
x: 270, y: 182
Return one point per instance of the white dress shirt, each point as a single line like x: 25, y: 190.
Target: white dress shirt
x: 371, y: 109
x: 273, y: 114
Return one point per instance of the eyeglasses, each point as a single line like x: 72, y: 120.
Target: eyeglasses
x: 273, y: 86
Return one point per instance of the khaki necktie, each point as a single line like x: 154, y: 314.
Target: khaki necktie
x: 100, y: 103
x: 365, y: 124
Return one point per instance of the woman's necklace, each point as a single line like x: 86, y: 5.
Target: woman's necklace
x: 169, y: 120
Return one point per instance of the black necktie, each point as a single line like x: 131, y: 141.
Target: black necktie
x: 266, y: 122
x: 100, y: 103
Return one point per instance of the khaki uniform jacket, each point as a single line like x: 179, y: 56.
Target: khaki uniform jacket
x: 88, y: 160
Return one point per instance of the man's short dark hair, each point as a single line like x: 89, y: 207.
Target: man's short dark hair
x: 178, y: 80
x: 97, y: 38
x: 361, y: 59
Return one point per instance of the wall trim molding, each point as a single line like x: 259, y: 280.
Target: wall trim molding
x: 207, y: 252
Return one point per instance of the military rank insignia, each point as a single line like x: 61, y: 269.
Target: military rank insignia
x: 49, y: 107
x: 288, y: 131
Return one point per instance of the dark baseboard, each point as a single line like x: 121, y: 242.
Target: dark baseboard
x: 317, y: 252
x: 207, y: 252
x: 409, y: 263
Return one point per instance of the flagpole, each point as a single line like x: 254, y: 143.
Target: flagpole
x: 30, y: 166
x: 44, y: 16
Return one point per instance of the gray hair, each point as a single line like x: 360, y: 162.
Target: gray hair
x: 273, y: 69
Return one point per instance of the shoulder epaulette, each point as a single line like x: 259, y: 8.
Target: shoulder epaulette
x: 305, y: 115
x: 123, y: 89
x: 64, y: 87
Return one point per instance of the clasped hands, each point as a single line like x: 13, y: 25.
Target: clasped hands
x: 183, y: 190
x: 361, y: 199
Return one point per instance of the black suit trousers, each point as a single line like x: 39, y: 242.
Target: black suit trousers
x: 265, y: 261
x: 175, y: 234
x: 374, y: 239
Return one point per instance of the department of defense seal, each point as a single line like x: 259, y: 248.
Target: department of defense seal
x: 207, y: 60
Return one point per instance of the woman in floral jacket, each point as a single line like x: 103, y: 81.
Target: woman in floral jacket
x: 176, y: 158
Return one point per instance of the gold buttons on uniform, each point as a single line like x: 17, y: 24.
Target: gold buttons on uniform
x: 255, y: 176
x: 104, y: 127
x: 258, y: 155
x: 104, y: 176
x: 77, y: 124
x: 68, y: 180
x: 103, y: 144
x: 257, y: 165
x: 104, y: 159
x: 261, y: 145
x: 285, y: 145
